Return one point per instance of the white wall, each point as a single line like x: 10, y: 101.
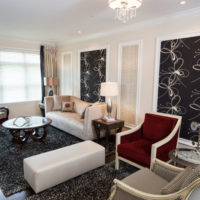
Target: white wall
x: 24, y: 108
x: 147, y: 33
x: 29, y: 108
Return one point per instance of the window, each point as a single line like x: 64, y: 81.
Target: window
x: 20, y: 78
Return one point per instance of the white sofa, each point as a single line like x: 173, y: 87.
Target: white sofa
x: 71, y: 122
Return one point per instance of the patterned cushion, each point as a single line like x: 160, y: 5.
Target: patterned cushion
x: 191, y: 177
x: 176, y: 183
x: 80, y: 106
x: 57, y: 102
x: 67, y: 106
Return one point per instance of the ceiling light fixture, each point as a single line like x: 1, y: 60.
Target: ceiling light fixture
x: 79, y: 32
x: 182, y: 2
x: 125, y: 9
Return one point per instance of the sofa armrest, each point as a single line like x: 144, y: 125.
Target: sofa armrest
x: 165, y: 170
x: 48, y: 104
x: 92, y: 113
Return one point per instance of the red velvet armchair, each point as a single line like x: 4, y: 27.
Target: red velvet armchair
x: 152, y: 139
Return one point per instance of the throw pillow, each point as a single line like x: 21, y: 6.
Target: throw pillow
x: 191, y: 177
x: 176, y: 183
x: 57, y: 102
x: 67, y: 106
x: 83, y: 114
x: 79, y: 106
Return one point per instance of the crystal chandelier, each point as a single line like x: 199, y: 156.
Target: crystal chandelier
x: 125, y: 9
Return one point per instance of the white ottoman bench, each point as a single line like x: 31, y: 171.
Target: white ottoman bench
x: 51, y: 168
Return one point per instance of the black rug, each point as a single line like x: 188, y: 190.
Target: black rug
x: 95, y: 184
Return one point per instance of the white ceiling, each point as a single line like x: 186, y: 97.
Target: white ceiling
x: 59, y: 20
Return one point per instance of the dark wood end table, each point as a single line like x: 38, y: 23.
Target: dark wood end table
x: 100, y: 124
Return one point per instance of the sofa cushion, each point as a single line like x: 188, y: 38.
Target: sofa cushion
x: 67, y: 106
x: 138, y: 150
x: 80, y: 106
x: 175, y: 184
x: 67, y: 121
x: 157, y: 127
x: 145, y: 181
x: 57, y: 102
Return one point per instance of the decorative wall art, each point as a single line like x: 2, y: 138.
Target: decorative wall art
x: 93, y: 72
x: 179, y: 81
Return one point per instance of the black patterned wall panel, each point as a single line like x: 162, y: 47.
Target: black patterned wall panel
x: 179, y: 81
x: 93, y: 73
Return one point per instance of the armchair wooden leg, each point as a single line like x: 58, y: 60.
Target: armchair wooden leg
x: 117, y: 163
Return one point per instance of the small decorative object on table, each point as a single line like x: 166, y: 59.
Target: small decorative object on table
x: 100, y: 124
x: 21, y: 121
x: 109, y: 89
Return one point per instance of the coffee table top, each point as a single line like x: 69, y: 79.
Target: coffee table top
x: 185, y: 157
x: 26, y: 122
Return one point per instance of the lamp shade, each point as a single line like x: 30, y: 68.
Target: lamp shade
x: 50, y: 81
x: 109, y: 89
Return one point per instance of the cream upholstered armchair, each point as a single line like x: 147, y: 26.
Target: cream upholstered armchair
x: 152, y: 139
x: 4, y: 113
x: 156, y: 184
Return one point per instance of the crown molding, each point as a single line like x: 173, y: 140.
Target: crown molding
x: 33, y: 42
x: 155, y: 21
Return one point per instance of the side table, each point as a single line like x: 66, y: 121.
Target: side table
x: 173, y: 155
x: 100, y: 124
x: 42, y: 109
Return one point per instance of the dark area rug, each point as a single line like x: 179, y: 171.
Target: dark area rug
x: 95, y: 184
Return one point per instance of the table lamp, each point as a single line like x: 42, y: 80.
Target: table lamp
x: 50, y: 81
x: 109, y: 89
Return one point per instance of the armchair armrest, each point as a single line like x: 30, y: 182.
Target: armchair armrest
x: 128, y: 132
x: 48, y: 104
x: 92, y: 113
x: 137, y: 194
x: 165, y: 170
x: 164, y: 141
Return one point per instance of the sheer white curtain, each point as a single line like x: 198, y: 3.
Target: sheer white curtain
x: 20, y: 78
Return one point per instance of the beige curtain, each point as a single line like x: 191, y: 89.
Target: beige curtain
x: 50, y: 63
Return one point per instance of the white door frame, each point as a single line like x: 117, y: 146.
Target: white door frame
x: 63, y: 54
x: 107, y: 47
x: 139, y: 74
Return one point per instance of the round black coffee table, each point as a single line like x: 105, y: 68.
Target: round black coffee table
x: 23, y: 128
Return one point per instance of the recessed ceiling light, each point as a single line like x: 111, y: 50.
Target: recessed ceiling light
x: 182, y: 2
x: 79, y: 32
